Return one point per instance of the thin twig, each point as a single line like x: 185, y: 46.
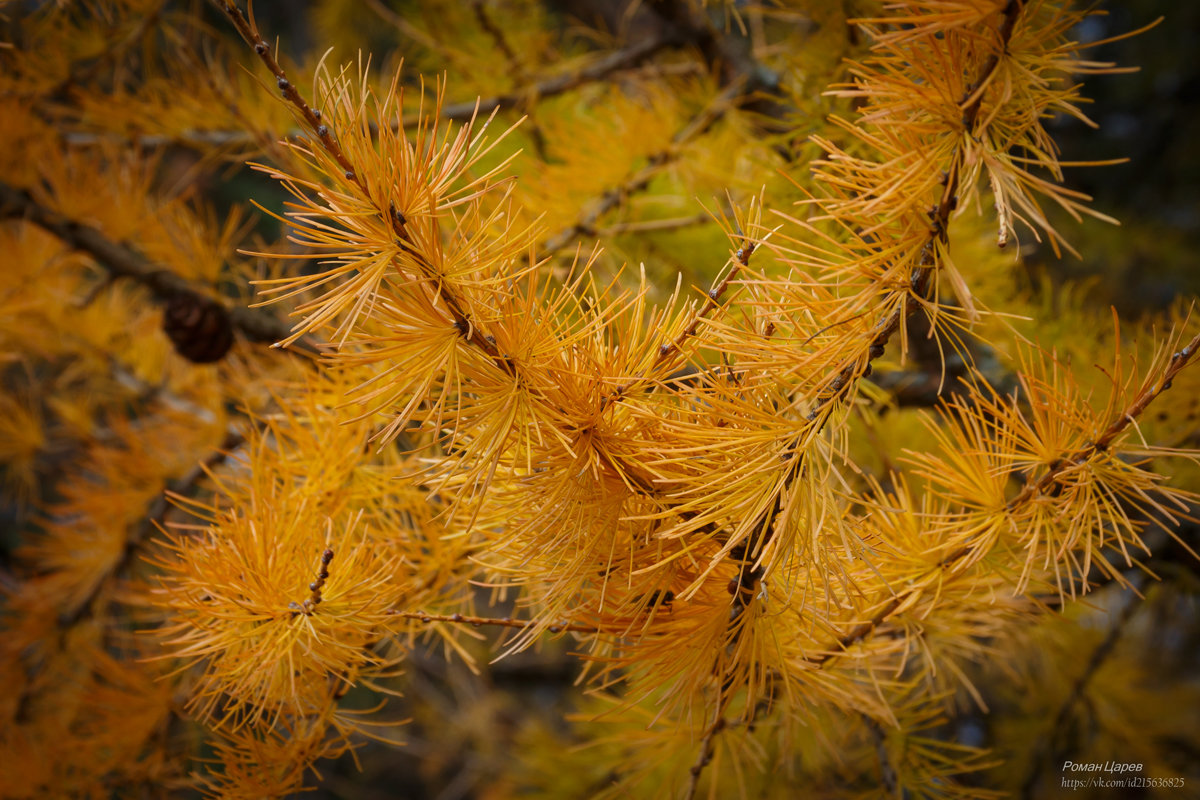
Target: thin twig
x: 705, y: 755
x: 310, y: 116
x: 650, y: 225
x: 314, y: 589
x: 505, y: 622
x: 1115, y: 428
x: 698, y: 125
x: 672, y: 348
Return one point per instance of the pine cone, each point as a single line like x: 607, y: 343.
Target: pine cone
x: 200, y: 328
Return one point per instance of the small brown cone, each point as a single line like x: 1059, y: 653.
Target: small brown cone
x: 199, y: 328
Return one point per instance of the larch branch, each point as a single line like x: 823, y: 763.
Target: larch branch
x: 601, y: 68
x: 122, y: 261
x: 707, y: 743
x: 1115, y: 428
x: 503, y: 622
x: 731, y: 57
x: 887, y: 770
x: 697, y: 126
x: 672, y: 348
x: 887, y: 605
x: 902, y: 302
x: 470, y: 332
x: 326, y: 137
x: 1054, y: 736
x: 155, y: 516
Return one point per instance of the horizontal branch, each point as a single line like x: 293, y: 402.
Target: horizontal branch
x: 600, y: 69
x: 503, y: 622
x: 649, y: 225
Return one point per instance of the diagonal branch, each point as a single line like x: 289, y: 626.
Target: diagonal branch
x: 640, y: 179
x: 471, y: 333
x: 155, y: 515
x: 326, y: 137
x: 1054, y: 738
x: 903, y: 302
x: 731, y: 57
x: 707, y: 745
x: 672, y: 348
x: 889, y: 603
x: 123, y: 261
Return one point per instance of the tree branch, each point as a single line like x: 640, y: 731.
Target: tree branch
x: 155, y: 516
x: 122, y: 261
x: 888, y: 604
x: 505, y: 622
x: 598, y: 70
x: 1057, y: 746
x: 905, y: 302
x: 705, y: 755
x: 887, y: 770
x: 640, y: 179
x: 732, y: 58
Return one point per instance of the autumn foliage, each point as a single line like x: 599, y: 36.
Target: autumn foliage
x: 694, y: 366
